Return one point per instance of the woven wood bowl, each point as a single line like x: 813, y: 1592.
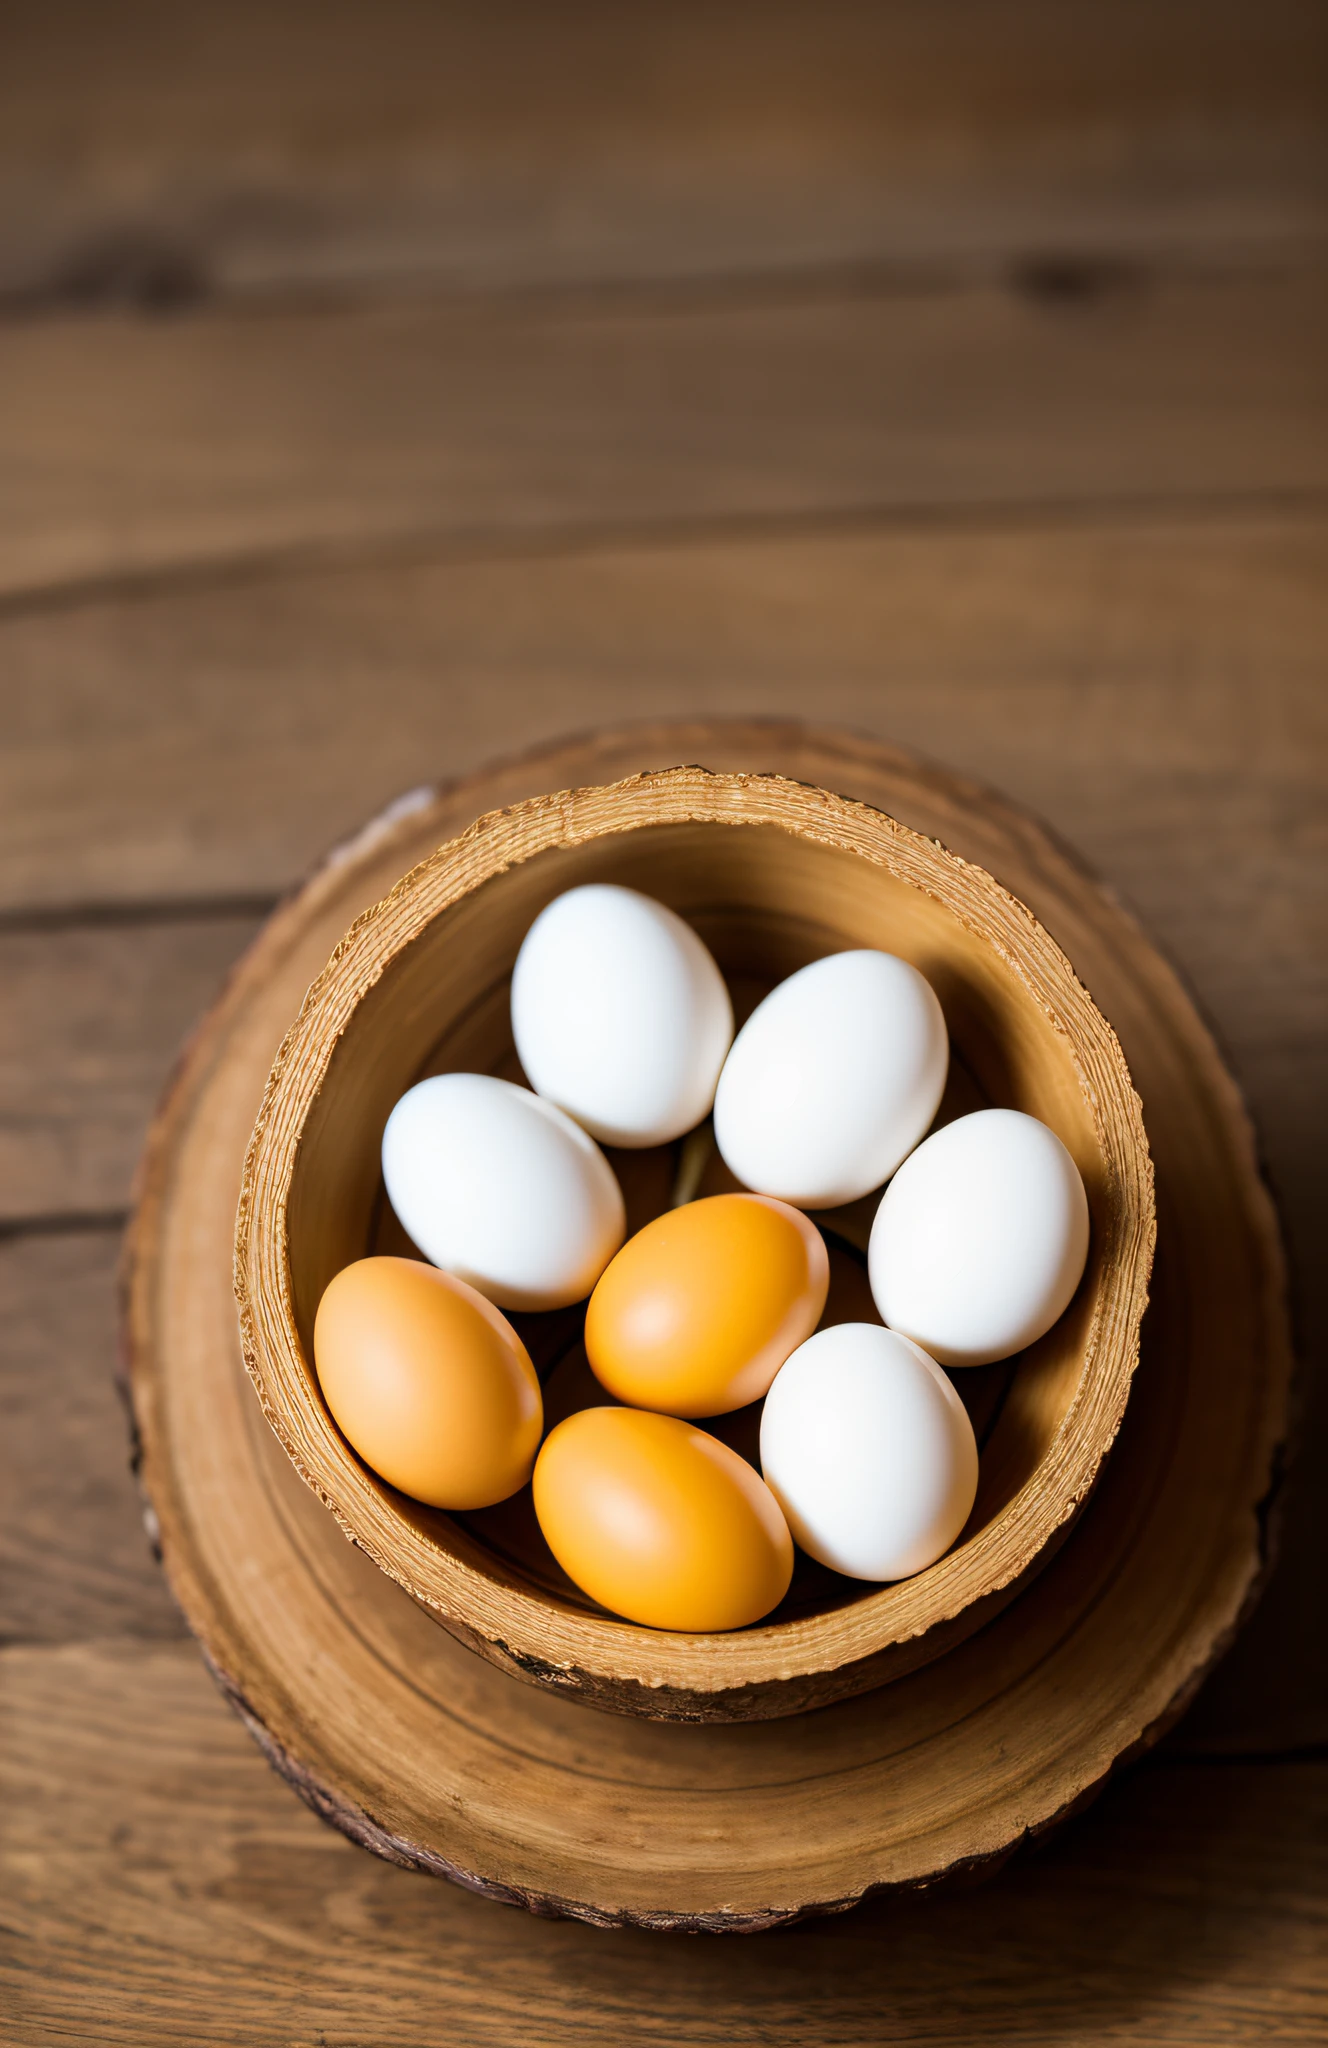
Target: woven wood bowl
x: 772, y: 874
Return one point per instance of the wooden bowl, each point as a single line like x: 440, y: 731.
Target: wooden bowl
x: 772, y: 874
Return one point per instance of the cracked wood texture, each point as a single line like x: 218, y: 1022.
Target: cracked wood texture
x: 385, y: 392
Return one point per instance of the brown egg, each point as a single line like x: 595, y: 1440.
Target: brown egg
x: 697, y: 1312
x: 660, y: 1521
x: 428, y: 1382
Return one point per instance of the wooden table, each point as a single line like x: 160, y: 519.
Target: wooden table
x: 381, y: 390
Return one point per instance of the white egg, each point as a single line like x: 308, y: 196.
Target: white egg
x: 502, y: 1189
x: 620, y: 1015
x: 869, y: 1451
x: 832, y: 1080
x: 981, y: 1238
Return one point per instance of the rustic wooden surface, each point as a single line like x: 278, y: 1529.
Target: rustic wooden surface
x: 375, y: 402
x: 415, y: 1746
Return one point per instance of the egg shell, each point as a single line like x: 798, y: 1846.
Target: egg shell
x: 660, y: 1522
x: 697, y: 1312
x: 620, y: 1015
x: 981, y: 1238
x: 428, y: 1382
x: 501, y: 1188
x: 869, y: 1451
x: 832, y: 1080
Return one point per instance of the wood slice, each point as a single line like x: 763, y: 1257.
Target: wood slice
x: 434, y: 1758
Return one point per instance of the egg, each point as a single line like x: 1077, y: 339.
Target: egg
x: 660, y: 1522
x: 699, y: 1310
x: 832, y: 1080
x: 981, y: 1238
x: 428, y: 1382
x: 501, y: 1188
x: 620, y: 1015
x: 869, y: 1451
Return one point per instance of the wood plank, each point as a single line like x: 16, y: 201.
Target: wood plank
x: 155, y: 158
x: 74, y: 1558
x: 136, y: 448
x: 91, y: 1022
x: 1154, y: 690
x: 182, y: 1893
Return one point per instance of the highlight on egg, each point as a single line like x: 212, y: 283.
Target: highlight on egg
x: 620, y: 1015
x: 501, y: 1188
x: 697, y: 1312
x: 660, y: 1522
x: 833, y: 1079
x: 869, y: 1451
x: 981, y: 1238
x: 429, y: 1382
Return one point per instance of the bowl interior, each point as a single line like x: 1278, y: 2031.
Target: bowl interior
x: 766, y: 902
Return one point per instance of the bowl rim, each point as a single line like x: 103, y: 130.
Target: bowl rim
x: 531, y: 1631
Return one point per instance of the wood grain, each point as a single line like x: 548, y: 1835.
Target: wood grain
x: 1151, y: 680
x: 75, y: 1561
x: 1102, y: 1650
x: 1155, y: 690
x: 152, y: 159
x: 91, y: 1022
x: 186, y: 1896
x: 209, y: 444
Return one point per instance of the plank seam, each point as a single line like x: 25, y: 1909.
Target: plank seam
x: 137, y: 911
x: 426, y: 547
x: 63, y: 1223
x: 148, y: 276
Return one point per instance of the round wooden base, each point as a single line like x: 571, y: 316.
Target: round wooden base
x: 425, y: 1753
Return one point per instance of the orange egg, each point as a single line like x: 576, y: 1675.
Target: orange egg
x: 428, y: 1382
x: 661, y: 1522
x: 699, y: 1310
